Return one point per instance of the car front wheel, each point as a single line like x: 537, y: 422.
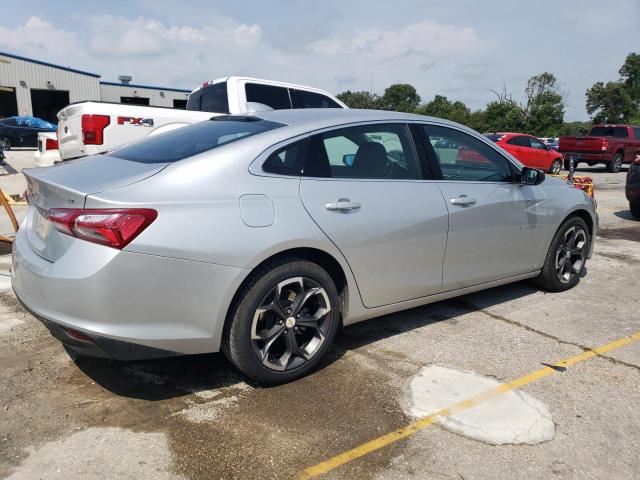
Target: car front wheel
x: 5, y: 143
x: 283, y: 322
x: 566, y: 259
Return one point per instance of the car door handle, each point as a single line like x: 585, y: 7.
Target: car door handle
x: 463, y: 201
x: 344, y: 205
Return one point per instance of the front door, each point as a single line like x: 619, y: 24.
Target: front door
x: 363, y: 187
x: 494, y: 223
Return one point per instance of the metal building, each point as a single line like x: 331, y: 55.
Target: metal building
x: 41, y: 89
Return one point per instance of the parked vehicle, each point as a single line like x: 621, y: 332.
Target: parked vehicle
x: 530, y: 150
x: 260, y: 235
x: 612, y: 145
x: 22, y: 131
x: 88, y: 128
x: 552, y: 143
x: 47, y: 153
x: 632, y: 188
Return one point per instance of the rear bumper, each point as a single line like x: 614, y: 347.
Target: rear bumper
x: 130, y: 305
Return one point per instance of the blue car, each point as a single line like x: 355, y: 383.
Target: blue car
x: 22, y: 131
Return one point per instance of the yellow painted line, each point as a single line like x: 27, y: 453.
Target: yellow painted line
x: 422, y: 423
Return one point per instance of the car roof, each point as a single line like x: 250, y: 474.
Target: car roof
x: 325, y: 117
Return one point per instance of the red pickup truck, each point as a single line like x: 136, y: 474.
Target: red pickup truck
x: 612, y: 145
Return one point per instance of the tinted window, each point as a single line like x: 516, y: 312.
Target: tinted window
x: 210, y: 99
x: 272, y: 96
x: 304, y: 99
x: 466, y: 158
x: 288, y: 160
x: 179, y: 103
x: 9, y: 122
x: 134, y: 100
x: 617, y: 132
x: 520, y: 141
x: 636, y: 133
x: 536, y: 144
x: 193, y: 139
x: 371, y: 151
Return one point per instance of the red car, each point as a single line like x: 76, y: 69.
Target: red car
x: 531, y: 151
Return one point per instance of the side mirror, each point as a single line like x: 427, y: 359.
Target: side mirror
x: 348, y: 159
x: 531, y: 176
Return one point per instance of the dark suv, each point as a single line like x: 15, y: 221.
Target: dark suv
x: 633, y: 187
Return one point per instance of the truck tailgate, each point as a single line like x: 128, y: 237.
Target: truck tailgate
x: 581, y: 144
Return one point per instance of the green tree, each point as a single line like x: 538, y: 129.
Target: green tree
x: 610, y: 103
x: 441, y: 107
x: 364, y: 100
x: 503, y: 115
x: 543, y: 113
x: 400, y: 97
x: 630, y: 77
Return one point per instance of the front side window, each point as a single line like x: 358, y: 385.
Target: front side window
x: 194, y: 139
x: 305, y: 99
x: 464, y: 158
x: 270, y: 95
x: 380, y: 151
x: 536, y: 144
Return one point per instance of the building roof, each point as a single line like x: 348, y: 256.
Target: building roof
x: 46, y: 64
x: 134, y: 85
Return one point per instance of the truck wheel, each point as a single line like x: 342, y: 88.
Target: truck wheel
x: 635, y: 209
x: 565, y: 260
x: 615, y: 164
x: 566, y: 165
x: 556, y: 166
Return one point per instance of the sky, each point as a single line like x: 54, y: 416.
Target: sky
x: 461, y: 49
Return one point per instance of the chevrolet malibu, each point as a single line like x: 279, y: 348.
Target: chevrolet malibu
x: 261, y: 235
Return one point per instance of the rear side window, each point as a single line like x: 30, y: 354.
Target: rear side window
x: 304, y: 99
x: 636, y: 133
x: 288, y: 160
x: 519, y: 141
x: 212, y: 99
x: 194, y: 139
x: 270, y: 95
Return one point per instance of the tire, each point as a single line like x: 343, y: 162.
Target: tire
x: 5, y: 143
x: 558, y: 275
x: 556, y: 167
x: 615, y: 164
x: 265, y: 339
x: 635, y: 209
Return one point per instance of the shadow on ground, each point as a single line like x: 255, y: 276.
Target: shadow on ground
x: 177, y: 376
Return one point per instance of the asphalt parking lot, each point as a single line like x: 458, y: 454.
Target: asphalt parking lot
x: 197, y: 417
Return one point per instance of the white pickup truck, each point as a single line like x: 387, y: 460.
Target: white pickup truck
x: 89, y: 128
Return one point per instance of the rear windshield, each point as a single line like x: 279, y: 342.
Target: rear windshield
x: 212, y: 99
x: 616, y: 132
x: 193, y: 139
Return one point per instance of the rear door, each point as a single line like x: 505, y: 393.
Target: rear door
x: 494, y: 222
x: 364, y: 188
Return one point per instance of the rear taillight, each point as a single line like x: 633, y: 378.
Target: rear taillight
x: 51, y: 144
x: 605, y: 145
x: 93, y: 128
x: 111, y: 227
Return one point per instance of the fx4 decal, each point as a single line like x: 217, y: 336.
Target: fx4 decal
x: 137, y: 121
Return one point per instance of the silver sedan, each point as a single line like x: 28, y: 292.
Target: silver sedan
x: 261, y: 235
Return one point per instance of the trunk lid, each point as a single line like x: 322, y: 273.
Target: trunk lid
x: 581, y: 144
x: 67, y: 185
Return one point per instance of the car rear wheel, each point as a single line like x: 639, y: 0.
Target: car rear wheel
x: 615, y: 164
x: 565, y: 262
x: 5, y: 143
x: 283, y: 322
x: 635, y: 209
x: 556, y: 167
